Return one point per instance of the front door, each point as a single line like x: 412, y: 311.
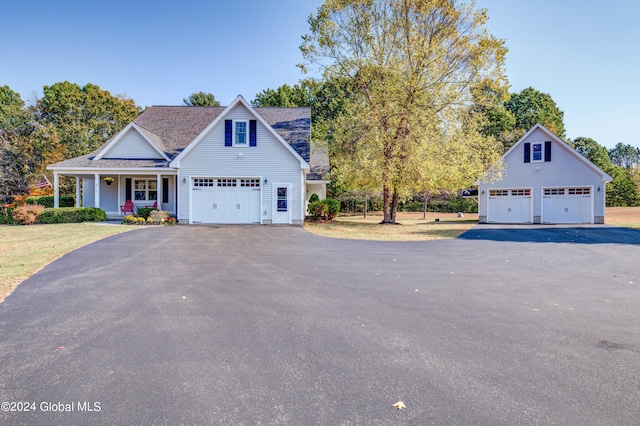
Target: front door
x: 281, y: 203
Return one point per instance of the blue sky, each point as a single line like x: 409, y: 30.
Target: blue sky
x: 583, y: 53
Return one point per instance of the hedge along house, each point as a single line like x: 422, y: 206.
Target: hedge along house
x: 235, y: 164
x: 544, y: 181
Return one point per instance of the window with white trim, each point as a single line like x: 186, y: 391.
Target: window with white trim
x: 536, y: 152
x: 145, y: 190
x: 241, y: 132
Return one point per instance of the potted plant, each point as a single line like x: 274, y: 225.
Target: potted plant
x: 109, y: 180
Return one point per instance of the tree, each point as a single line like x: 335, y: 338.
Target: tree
x: 327, y: 98
x: 82, y: 118
x: 531, y: 107
x: 201, y: 99
x: 593, y: 151
x: 621, y: 191
x: 625, y: 155
x: 413, y: 63
x: 16, y: 151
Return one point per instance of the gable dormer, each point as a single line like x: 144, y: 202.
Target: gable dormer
x: 133, y: 143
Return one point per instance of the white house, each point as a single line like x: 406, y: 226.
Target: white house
x: 544, y: 180
x: 234, y: 164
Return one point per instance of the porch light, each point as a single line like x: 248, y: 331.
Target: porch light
x: 184, y: 180
x: 598, y: 189
x: 266, y: 180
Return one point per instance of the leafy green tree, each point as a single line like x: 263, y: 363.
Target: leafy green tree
x: 625, y: 155
x: 593, y: 151
x: 81, y: 119
x: 17, y: 160
x: 327, y: 98
x: 201, y: 99
x: 531, y: 106
x: 621, y: 191
x: 413, y: 64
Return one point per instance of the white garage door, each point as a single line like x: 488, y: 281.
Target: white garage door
x: 225, y: 200
x: 567, y: 205
x: 509, y: 206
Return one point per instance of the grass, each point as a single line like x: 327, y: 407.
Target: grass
x: 627, y: 217
x: 412, y: 227
x: 27, y: 249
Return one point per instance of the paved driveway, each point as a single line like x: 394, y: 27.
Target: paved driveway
x: 272, y: 325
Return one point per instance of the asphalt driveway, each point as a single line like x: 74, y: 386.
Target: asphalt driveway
x: 273, y: 325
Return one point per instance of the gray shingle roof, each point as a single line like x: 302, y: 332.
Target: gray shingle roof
x: 173, y: 128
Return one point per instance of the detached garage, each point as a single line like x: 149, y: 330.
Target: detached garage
x: 544, y: 180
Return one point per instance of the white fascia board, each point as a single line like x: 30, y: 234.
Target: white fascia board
x: 121, y: 133
x: 239, y: 100
x: 103, y: 170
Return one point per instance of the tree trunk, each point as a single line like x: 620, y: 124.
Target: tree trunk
x: 426, y: 201
x: 386, y: 206
x: 394, y: 206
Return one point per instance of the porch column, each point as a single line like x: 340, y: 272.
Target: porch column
x: 56, y: 190
x: 159, y: 189
x: 96, y: 185
x: 77, y: 191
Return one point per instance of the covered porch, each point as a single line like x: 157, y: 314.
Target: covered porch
x: 110, y: 190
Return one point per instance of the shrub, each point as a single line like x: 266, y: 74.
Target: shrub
x: 26, y: 214
x: 141, y: 220
x: 333, y: 207
x: 324, y: 209
x: 144, y: 212
x: 47, y: 200
x: 317, y: 210
x: 314, y: 198
x: 72, y: 215
x: 6, y: 216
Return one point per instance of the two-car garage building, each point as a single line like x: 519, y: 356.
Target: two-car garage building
x: 544, y: 180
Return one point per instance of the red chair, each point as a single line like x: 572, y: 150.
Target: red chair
x: 127, y: 208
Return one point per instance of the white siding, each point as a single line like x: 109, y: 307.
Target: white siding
x: 268, y: 160
x: 132, y: 146
x: 564, y: 170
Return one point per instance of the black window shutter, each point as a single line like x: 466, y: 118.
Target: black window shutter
x: 252, y: 133
x: 547, y: 151
x: 228, y: 132
x: 165, y: 190
x: 527, y: 152
x: 127, y: 190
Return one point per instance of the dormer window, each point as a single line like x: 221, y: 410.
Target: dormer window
x: 536, y: 152
x: 240, y: 133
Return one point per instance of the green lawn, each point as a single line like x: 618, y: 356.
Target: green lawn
x: 26, y: 249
